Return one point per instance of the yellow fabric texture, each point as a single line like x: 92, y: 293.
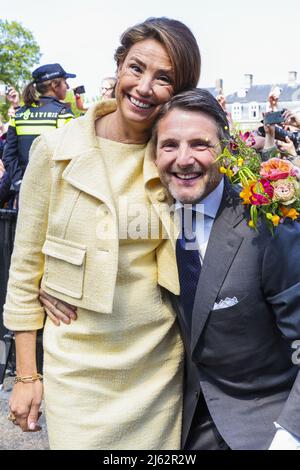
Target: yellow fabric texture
x: 113, y: 378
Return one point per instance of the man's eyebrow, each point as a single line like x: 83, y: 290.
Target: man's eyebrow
x: 201, y: 140
x: 168, y: 139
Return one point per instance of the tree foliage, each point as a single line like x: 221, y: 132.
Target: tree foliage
x: 19, y: 52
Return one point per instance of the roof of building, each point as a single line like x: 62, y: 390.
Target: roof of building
x: 214, y: 91
x: 260, y: 93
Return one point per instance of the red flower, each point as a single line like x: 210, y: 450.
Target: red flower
x: 248, y: 138
x: 261, y: 193
x: 268, y: 188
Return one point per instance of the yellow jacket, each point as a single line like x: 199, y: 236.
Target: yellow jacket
x: 65, y: 195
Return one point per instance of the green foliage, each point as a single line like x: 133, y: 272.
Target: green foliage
x: 19, y: 52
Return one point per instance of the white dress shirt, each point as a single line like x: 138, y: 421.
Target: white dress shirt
x: 207, y: 209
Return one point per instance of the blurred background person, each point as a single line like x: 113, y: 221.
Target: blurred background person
x: 222, y: 102
x: 108, y: 85
x: 292, y: 120
x: 273, y: 98
x: 14, y: 98
x: 280, y: 133
x: 43, y: 110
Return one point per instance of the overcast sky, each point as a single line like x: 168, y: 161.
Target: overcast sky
x: 261, y: 37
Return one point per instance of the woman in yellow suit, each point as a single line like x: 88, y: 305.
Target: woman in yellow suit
x: 113, y: 378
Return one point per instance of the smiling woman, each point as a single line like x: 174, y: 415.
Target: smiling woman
x: 145, y: 80
x: 113, y: 377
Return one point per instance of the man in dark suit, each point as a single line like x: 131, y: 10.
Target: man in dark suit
x: 239, y: 308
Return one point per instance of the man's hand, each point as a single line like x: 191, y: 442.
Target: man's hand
x: 57, y: 310
x: 79, y: 103
x: 291, y: 118
x: 273, y: 101
x: 287, y: 148
x: 222, y: 101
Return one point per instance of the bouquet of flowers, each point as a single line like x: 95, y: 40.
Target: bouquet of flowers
x: 271, y: 188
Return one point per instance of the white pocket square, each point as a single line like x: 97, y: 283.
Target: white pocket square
x: 228, y: 302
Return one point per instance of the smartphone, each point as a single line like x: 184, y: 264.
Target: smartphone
x: 79, y: 90
x: 275, y: 117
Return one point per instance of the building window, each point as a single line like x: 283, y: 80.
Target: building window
x: 254, y: 111
x: 236, y: 111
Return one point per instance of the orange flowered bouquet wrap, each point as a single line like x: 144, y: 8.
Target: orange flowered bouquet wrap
x: 270, y: 188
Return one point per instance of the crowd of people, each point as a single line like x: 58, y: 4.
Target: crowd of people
x: 148, y: 344
x: 42, y: 95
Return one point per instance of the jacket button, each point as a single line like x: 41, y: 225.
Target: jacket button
x: 197, y: 394
x: 161, y: 196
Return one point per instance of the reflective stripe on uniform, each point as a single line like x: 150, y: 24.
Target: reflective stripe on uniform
x: 65, y: 116
x: 34, y: 130
x: 36, y: 122
x: 61, y: 121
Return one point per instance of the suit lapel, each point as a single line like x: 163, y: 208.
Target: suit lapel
x: 88, y: 173
x: 222, y: 247
x: 86, y: 170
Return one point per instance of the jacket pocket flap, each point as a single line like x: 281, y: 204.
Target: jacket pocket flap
x: 64, y: 250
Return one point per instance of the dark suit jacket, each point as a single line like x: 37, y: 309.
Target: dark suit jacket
x: 241, y: 356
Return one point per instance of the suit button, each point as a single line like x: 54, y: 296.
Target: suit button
x: 196, y: 394
x: 161, y: 196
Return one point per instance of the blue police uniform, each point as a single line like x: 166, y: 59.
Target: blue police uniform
x: 28, y: 123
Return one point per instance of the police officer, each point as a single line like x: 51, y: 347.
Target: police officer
x: 43, y: 110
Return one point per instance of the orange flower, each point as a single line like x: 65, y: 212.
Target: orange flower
x: 246, y: 193
x: 275, y: 169
x: 291, y: 213
x: 275, y: 220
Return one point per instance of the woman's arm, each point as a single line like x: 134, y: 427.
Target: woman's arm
x: 22, y: 310
x: 26, y: 397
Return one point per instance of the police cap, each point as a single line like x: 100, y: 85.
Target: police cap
x: 49, y: 72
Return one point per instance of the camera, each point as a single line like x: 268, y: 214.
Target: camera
x: 281, y: 134
x: 4, y: 89
x: 79, y: 90
x: 274, y: 117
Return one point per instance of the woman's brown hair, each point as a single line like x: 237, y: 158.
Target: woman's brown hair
x: 32, y: 92
x: 180, y: 45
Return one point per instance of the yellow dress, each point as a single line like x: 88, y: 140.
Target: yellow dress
x: 118, y: 377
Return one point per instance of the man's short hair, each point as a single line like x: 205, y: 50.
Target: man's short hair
x: 198, y: 100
